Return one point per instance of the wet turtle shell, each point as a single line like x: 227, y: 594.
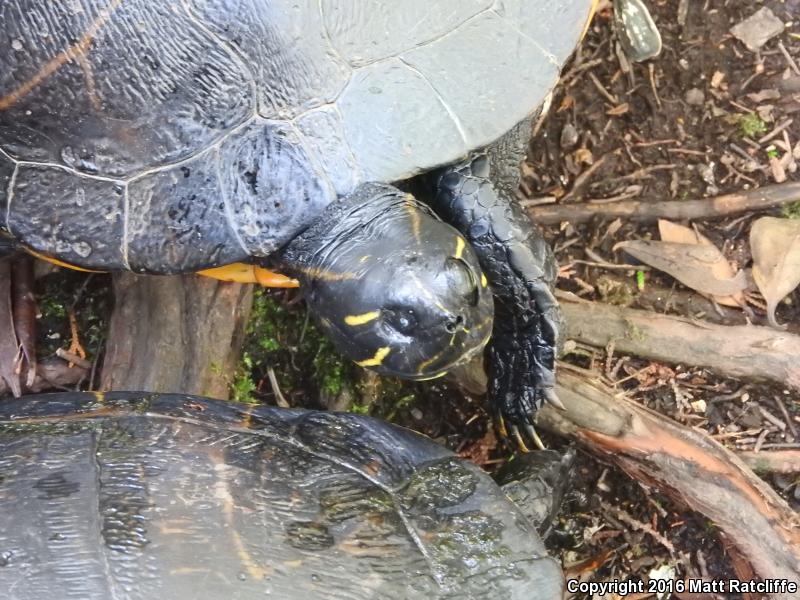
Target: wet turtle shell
x: 166, y: 496
x: 168, y: 137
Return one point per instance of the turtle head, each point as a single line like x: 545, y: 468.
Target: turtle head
x: 398, y: 290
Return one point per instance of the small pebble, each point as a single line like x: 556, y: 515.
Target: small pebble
x: 16, y: 44
x: 569, y: 136
x: 758, y: 29
x: 695, y: 97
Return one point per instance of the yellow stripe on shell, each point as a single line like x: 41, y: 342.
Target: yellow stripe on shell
x: 69, y: 55
x: 356, y: 320
x: 376, y: 360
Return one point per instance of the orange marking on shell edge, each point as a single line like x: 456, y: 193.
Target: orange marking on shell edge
x: 58, y: 263
x: 247, y: 273
x: 72, y: 53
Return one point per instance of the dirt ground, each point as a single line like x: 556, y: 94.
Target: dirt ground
x: 698, y: 121
x: 686, y: 125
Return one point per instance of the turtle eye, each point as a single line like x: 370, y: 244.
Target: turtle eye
x: 463, y: 279
x: 403, y: 320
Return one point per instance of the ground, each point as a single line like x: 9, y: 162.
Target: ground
x: 686, y: 125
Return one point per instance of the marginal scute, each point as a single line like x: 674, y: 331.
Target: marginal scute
x: 6, y: 172
x: 271, y: 185
x: 177, y: 222
x: 365, y: 31
x: 285, y: 46
x: 555, y: 25
x: 149, y: 88
x: 324, y: 138
x: 489, y: 51
x: 82, y: 223
x: 407, y: 130
x: 382, y: 452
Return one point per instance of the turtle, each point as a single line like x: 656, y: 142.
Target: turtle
x: 135, y: 495
x: 367, y: 151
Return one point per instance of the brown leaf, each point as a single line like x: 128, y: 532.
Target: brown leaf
x: 722, y: 269
x: 567, y: 103
x: 618, y: 110
x: 775, y: 245
x: 691, y: 264
x: 584, y: 155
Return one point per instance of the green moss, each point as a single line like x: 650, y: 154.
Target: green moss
x: 88, y: 295
x: 310, y: 372
x: 243, y: 386
x: 285, y: 339
x: 791, y: 211
x: 751, y: 125
x: 360, y: 409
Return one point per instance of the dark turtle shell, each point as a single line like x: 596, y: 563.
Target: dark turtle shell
x: 167, y: 137
x: 124, y: 496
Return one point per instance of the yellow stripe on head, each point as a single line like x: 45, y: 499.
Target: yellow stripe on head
x: 325, y: 275
x: 484, y: 281
x: 460, y: 247
x: 356, y: 320
x: 432, y: 377
x: 376, y: 360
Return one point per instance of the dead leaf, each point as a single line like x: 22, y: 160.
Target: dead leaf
x: 584, y: 155
x: 691, y: 264
x: 567, y: 103
x: 775, y: 245
x: 777, y: 169
x: 722, y: 269
x: 618, y: 110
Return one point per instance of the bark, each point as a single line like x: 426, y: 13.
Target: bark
x: 679, y: 210
x: 9, y: 346
x: 24, y: 302
x: 52, y: 373
x: 687, y: 465
x: 779, y: 461
x: 178, y: 334
x: 733, y: 351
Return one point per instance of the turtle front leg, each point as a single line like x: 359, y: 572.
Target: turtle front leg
x: 522, y: 271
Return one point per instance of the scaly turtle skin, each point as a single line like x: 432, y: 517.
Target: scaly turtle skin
x: 170, y: 137
x: 127, y: 496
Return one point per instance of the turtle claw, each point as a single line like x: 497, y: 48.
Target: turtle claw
x: 520, y: 432
x: 520, y: 442
x: 551, y: 397
x: 534, y: 436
